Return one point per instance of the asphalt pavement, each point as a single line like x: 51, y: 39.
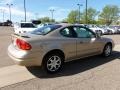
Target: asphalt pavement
x: 5, y: 40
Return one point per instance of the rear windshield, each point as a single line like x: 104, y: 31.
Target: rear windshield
x: 27, y: 25
x: 46, y: 29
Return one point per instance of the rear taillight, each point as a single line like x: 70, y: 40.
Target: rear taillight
x: 23, y: 44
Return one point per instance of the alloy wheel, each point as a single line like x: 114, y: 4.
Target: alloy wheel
x: 53, y: 63
x: 107, y: 50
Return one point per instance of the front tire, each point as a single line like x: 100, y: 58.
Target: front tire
x: 107, y: 50
x: 53, y: 63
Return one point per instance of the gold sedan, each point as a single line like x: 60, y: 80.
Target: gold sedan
x: 52, y: 45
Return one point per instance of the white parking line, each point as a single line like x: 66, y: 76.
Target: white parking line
x: 14, y: 74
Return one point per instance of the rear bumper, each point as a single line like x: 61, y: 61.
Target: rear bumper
x: 24, y: 62
x: 23, y: 58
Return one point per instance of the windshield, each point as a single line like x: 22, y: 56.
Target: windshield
x: 46, y: 29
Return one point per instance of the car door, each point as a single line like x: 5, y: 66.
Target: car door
x: 86, y: 42
x: 69, y: 42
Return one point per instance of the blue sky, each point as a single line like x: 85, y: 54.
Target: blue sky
x: 40, y: 8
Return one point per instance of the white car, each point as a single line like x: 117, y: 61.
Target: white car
x: 96, y: 29
x: 111, y: 30
x: 24, y: 27
x: 42, y: 25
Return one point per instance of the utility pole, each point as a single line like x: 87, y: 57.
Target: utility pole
x: 79, y: 5
x: 3, y: 12
x: 25, y: 9
x: 86, y: 12
x: 9, y: 5
x: 36, y: 15
x: 52, y: 12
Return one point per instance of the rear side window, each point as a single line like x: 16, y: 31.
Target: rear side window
x: 46, y: 29
x: 68, y: 32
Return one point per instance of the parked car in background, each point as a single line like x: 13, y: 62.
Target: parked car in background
x: 1, y: 23
x: 118, y: 31
x: 96, y: 29
x: 106, y: 32
x: 111, y: 30
x: 45, y: 24
x: 24, y: 27
x: 52, y: 45
x: 117, y: 28
x: 7, y: 23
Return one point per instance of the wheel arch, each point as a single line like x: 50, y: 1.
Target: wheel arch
x: 58, y: 51
x: 109, y: 43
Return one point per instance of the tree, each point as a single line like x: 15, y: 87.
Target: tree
x: 64, y: 20
x: 109, y: 14
x: 91, y: 16
x: 46, y: 20
x: 73, y: 16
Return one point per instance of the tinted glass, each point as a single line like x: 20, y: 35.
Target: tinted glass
x: 83, y: 32
x: 46, y: 29
x: 68, y: 32
x: 27, y: 25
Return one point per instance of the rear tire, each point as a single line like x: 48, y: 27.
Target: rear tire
x: 53, y: 63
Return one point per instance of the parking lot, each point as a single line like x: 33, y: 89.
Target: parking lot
x: 93, y: 73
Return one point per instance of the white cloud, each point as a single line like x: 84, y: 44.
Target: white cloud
x: 60, y: 13
x: 16, y: 12
x: 3, y: 2
x: 58, y: 9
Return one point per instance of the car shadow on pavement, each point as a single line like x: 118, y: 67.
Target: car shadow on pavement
x: 75, y: 67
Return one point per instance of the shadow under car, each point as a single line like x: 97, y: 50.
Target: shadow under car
x: 76, y: 66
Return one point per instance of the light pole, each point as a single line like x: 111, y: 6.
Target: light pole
x: 9, y: 5
x: 52, y: 11
x: 3, y: 12
x: 79, y: 5
x: 36, y: 15
x: 25, y: 9
x: 86, y: 12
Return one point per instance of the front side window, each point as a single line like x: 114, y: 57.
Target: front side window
x: 83, y: 32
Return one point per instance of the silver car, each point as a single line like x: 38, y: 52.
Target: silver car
x: 52, y: 45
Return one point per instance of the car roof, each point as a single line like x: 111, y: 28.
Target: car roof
x: 67, y: 24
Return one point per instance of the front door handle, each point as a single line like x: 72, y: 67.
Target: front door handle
x: 81, y: 42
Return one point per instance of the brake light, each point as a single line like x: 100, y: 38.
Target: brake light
x: 23, y: 44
